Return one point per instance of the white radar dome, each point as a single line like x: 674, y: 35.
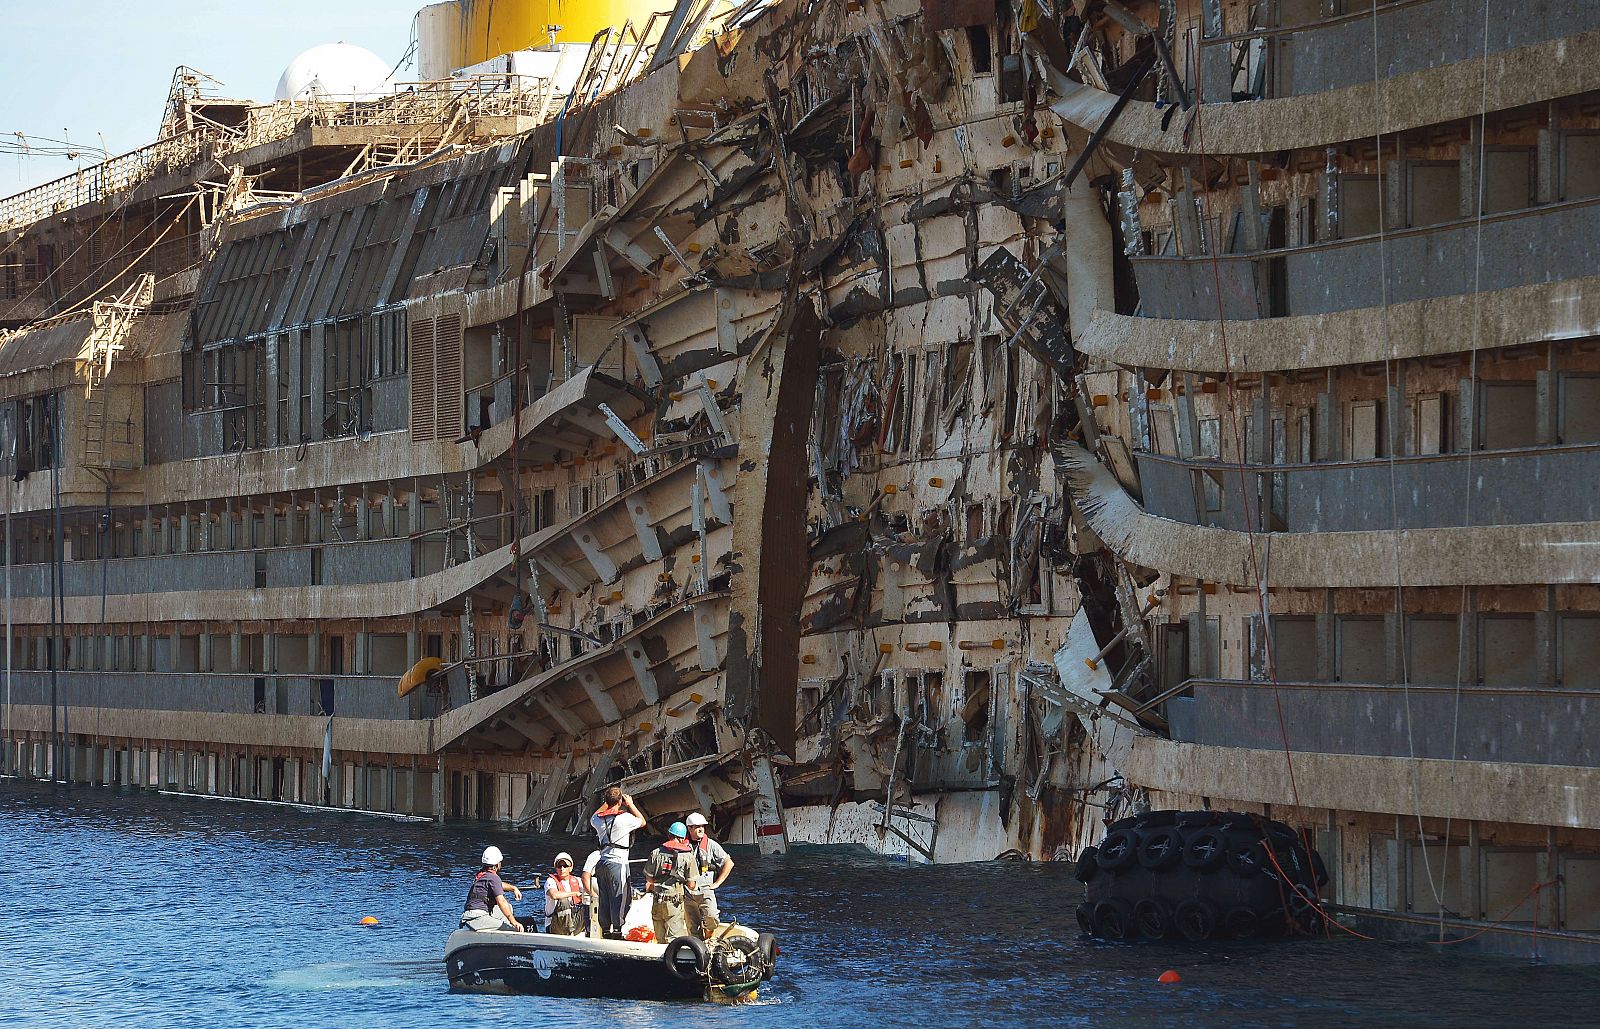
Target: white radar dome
x: 335, y: 71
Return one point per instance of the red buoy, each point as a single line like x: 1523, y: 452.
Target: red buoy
x: 1169, y: 976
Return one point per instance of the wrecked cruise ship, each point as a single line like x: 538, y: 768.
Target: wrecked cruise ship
x: 945, y: 427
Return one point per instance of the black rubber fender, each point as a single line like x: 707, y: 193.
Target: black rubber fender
x: 1319, y: 869
x: 696, y: 948
x: 1245, y: 859
x: 1205, y: 849
x: 1196, y: 919
x: 1304, y: 911
x: 1241, y: 922
x: 767, y: 945
x: 1220, y: 819
x: 1160, y: 848
x: 1087, y: 866
x: 1156, y: 819
x: 1153, y: 917
x: 736, y: 961
x: 1113, y: 919
x: 1118, y: 850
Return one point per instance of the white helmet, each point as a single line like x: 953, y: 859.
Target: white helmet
x: 695, y: 819
x: 492, y: 856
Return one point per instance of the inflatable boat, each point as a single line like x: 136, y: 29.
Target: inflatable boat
x: 731, y: 965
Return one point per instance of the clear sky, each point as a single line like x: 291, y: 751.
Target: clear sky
x: 98, y: 68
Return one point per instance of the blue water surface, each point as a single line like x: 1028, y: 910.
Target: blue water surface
x: 124, y: 909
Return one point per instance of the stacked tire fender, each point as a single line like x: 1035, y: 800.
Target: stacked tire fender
x: 1200, y: 875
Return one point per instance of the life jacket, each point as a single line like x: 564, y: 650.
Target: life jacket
x: 704, y: 853
x: 675, y: 863
x: 608, y: 816
x: 564, y: 883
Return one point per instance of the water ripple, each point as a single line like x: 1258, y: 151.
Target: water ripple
x: 152, y: 910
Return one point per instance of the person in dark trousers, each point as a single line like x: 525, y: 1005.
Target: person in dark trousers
x: 487, y: 907
x: 614, y: 822
x: 673, y: 871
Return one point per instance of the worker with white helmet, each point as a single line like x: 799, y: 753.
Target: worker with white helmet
x: 714, y: 865
x: 487, y: 907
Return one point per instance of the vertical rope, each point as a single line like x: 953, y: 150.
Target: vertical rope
x: 1262, y: 596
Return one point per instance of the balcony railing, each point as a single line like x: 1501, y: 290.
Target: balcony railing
x: 1530, y: 486
x: 417, y: 104
x: 1551, y: 243
x: 1520, y: 725
x: 299, y: 693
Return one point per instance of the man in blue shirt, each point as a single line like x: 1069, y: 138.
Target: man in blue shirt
x: 487, y: 907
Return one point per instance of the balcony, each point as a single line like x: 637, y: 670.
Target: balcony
x: 1531, y: 486
x: 654, y: 663
x: 1522, y: 725
x: 1555, y: 552
x: 1411, y: 36
x: 353, y: 563
x: 1518, y: 248
x: 1534, y: 73
x: 241, y: 693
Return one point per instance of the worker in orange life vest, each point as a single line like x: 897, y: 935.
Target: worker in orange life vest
x: 671, y: 872
x: 714, y: 864
x: 563, y: 892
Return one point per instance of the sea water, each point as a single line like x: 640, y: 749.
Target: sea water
x: 127, y: 909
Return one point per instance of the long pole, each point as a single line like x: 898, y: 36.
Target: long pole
x: 58, y: 586
x: 10, y: 554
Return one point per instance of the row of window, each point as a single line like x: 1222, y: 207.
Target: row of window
x: 1508, y: 417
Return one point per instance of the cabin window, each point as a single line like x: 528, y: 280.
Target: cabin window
x: 1580, y: 165
x: 1294, y: 650
x: 1361, y: 648
x: 1506, y: 651
x: 1578, y: 651
x: 1360, y: 210
x: 1508, y: 179
x: 1433, y: 649
x: 1509, y: 415
x: 1580, y: 409
x: 1435, y: 192
x: 1365, y: 439
x: 1428, y: 424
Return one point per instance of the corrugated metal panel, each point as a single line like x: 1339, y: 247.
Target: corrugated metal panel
x: 448, y: 402
x: 42, y: 347
x: 420, y: 361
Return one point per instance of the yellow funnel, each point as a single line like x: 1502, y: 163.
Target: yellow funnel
x: 460, y: 33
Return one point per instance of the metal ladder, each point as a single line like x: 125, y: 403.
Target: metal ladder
x: 111, y: 321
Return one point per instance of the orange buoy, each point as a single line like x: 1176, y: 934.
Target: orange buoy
x: 369, y: 920
x: 1169, y: 976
